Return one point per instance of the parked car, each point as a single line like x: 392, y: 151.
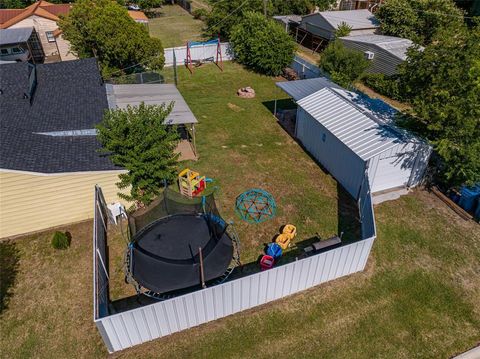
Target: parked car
x: 15, y: 53
x: 134, y: 7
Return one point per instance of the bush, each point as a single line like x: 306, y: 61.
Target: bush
x: 344, y: 65
x: 200, y: 14
x: 262, y: 45
x: 61, y: 240
x: 385, y: 85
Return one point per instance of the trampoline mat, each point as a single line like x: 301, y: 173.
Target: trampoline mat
x: 176, y: 237
x: 162, y: 258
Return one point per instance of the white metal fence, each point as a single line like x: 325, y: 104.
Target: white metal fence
x: 126, y: 329
x: 199, y: 52
x: 305, y: 69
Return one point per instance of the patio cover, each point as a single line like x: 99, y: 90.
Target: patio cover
x: 15, y: 36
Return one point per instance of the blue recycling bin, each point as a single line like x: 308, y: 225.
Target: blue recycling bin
x: 469, y: 197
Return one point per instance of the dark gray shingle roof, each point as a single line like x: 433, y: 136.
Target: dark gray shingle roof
x: 68, y: 96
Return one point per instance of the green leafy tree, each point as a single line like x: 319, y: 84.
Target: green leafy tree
x: 103, y: 29
x: 225, y: 14
x: 12, y: 4
x: 137, y: 139
x: 343, y: 65
x: 442, y: 83
x: 261, y: 44
x: 343, y: 30
x: 418, y: 20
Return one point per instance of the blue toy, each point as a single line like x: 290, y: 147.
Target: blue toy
x: 255, y: 206
x: 274, y: 250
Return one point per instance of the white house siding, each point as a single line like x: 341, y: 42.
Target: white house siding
x: 332, y: 154
x: 64, y: 49
x: 42, y: 25
x: 33, y: 201
x: 383, y: 62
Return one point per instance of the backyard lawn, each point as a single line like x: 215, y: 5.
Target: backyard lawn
x: 175, y: 26
x: 418, y: 296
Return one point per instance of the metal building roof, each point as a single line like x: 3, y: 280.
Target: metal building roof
x: 302, y: 88
x: 151, y: 94
x: 351, y: 124
x: 397, y: 46
x: 15, y: 36
x: 356, y: 19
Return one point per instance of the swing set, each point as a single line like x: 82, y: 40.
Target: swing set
x: 217, y: 58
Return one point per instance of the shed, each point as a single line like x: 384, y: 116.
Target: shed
x: 384, y: 52
x: 158, y: 94
x: 325, y: 23
x: 350, y: 135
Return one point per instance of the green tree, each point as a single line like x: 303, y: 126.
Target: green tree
x: 442, y: 83
x: 343, y: 65
x: 225, y: 14
x: 343, y: 30
x: 261, y: 44
x: 137, y: 139
x: 103, y: 29
x: 418, y: 20
x: 13, y: 4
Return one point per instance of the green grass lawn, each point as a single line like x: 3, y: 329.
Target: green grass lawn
x: 175, y: 26
x: 418, y: 297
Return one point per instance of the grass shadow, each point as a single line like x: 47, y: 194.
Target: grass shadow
x: 9, y: 263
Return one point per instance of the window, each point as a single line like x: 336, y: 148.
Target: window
x: 50, y: 36
x: 4, y: 52
x: 17, y: 50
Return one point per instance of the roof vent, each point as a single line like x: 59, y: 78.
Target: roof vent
x: 369, y: 55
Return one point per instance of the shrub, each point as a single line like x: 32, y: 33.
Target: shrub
x: 262, y: 45
x: 200, y: 14
x: 385, y: 85
x: 344, y: 65
x: 343, y: 30
x: 61, y: 240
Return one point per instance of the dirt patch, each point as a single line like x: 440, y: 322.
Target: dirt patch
x: 234, y: 107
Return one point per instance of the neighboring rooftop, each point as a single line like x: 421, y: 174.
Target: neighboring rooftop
x: 49, y: 128
x: 152, y: 94
x: 15, y: 36
x: 9, y: 17
x: 45, y: 9
x: 357, y: 19
x: 397, y: 46
x: 286, y: 19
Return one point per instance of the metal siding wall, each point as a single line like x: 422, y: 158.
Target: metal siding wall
x: 143, y: 324
x: 339, y: 160
x: 198, y: 53
x: 382, y: 61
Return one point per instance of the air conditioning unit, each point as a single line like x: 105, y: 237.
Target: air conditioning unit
x: 369, y: 55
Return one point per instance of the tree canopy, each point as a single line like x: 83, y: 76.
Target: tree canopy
x: 261, y: 44
x: 418, y: 20
x: 137, y: 139
x: 103, y: 29
x: 442, y: 83
x: 343, y: 65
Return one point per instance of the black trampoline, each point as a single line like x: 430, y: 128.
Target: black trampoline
x: 164, y: 254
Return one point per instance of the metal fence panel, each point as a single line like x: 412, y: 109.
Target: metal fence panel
x: 197, y: 52
x: 139, y: 325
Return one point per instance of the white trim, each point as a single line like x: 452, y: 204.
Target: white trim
x: 5, y: 170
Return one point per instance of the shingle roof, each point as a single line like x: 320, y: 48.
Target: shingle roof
x: 68, y: 96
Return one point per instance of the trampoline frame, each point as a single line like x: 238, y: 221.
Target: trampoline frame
x: 230, y: 231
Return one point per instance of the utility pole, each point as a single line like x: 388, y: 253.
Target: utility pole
x: 265, y: 8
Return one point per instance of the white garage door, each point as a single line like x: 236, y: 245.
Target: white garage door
x: 391, y: 172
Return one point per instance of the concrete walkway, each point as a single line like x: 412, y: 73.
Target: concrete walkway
x: 471, y: 354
